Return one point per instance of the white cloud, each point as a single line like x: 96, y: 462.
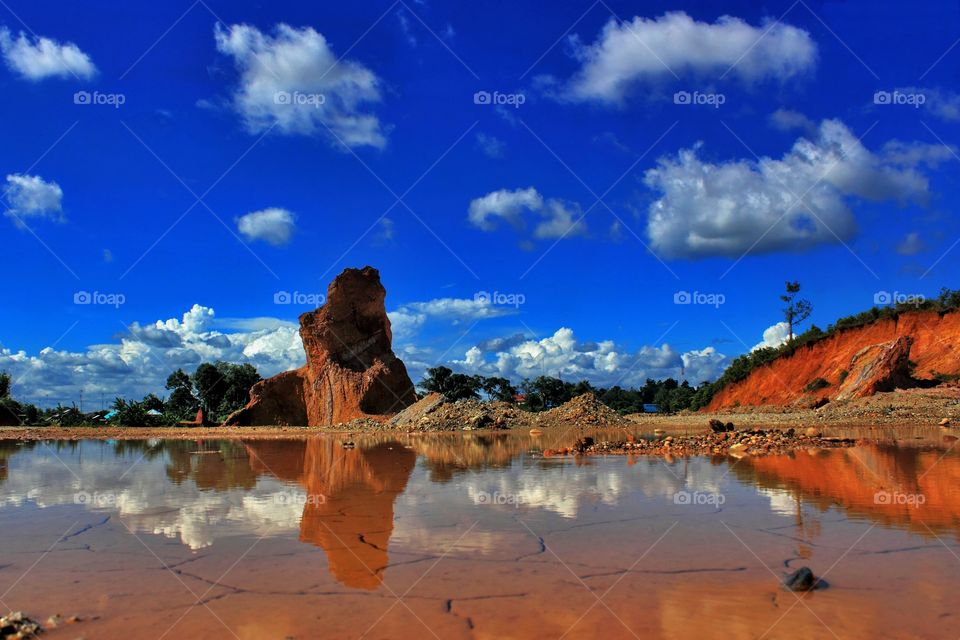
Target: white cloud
x: 408, y: 319
x: 33, y: 197
x: 139, y: 362
x: 492, y: 146
x: 774, y: 336
x: 555, y: 218
x: 645, y: 49
x: 37, y: 58
x: 740, y: 206
x: 293, y: 81
x: 789, y: 120
x: 911, y: 245
x: 602, y: 363
x: 273, y: 225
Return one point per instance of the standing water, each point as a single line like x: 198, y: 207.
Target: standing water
x: 473, y: 535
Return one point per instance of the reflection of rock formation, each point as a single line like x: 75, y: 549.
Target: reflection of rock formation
x: 351, y: 513
x: 351, y: 370
x: 907, y: 487
x: 349, y: 501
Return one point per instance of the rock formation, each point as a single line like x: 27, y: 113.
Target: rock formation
x: 879, y: 367
x: 351, y: 370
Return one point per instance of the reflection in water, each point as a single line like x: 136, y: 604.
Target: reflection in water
x: 344, y: 500
x: 917, y: 488
x: 348, y: 506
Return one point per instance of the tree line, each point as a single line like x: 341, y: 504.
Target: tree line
x: 547, y: 392
x: 219, y: 389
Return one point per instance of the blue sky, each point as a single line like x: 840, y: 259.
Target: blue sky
x: 219, y: 153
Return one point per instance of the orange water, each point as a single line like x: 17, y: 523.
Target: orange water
x: 471, y: 535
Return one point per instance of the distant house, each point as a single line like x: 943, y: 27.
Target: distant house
x: 650, y: 408
x: 519, y: 398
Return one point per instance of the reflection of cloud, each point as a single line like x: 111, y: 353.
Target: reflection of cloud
x: 145, y: 500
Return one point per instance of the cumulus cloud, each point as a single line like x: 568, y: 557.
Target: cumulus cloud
x: 602, y: 363
x: 33, y: 197
x: 555, y: 218
x: 273, y: 225
x: 774, y: 336
x: 744, y: 206
x: 36, y: 58
x: 140, y: 360
x: 648, y: 49
x: 293, y: 81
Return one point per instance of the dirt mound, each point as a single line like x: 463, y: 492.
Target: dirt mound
x: 351, y: 370
x: 435, y: 413
x: 583, y: 410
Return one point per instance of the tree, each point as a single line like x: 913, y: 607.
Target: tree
x: 454, y: 386
x: 797, y: 310
x: 546, y: 392
x: 182, y: 403
x: 498, y: 388
x: 222, y: 388
x: 4, y: 385
x: 239, y: 378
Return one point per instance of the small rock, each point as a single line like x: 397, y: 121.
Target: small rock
x: 800, y: 580
x: 55, y: 620
x: 813, y: 432
x: 945, y: 422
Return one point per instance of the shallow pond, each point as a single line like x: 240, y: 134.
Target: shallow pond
x: 476, y: 535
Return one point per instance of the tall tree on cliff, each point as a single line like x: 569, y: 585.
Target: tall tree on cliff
x: 797, y: 310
